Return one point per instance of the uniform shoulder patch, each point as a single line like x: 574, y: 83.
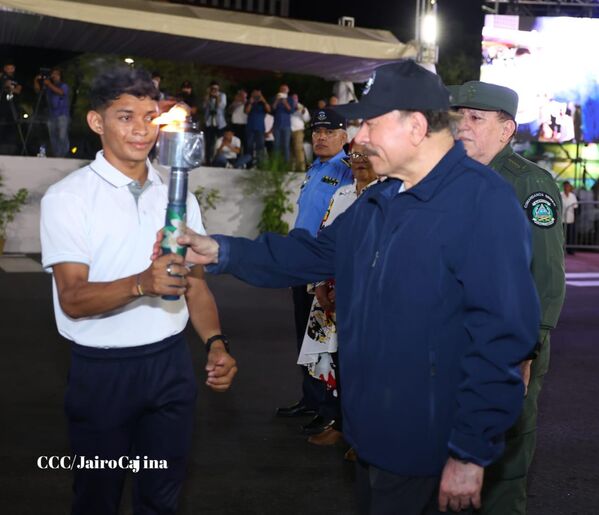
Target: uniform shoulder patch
x: 330, y: 180
x: 541, y: 209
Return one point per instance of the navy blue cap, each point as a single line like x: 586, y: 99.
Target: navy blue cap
x: 328, y: 119
x: 403, y: 85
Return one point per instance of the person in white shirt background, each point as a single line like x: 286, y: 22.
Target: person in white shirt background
x: 570, y: 204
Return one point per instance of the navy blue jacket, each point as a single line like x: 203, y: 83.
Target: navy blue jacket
x: 436, y: 307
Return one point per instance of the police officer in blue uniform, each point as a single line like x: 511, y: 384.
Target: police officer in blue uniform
x: 331, y: 170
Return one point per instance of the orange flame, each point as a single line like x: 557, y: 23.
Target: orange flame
x: 173, y: 119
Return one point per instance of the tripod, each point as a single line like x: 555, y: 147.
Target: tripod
x: 8, y: 98
x: 38, y: 101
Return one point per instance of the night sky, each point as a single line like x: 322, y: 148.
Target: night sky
x: 460, y: 21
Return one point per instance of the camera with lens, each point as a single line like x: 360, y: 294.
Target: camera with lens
x: 44, y: 73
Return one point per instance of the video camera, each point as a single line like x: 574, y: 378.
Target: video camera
x: 45, y: 73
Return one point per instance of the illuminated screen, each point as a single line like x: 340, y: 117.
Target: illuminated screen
x: 551, y: 63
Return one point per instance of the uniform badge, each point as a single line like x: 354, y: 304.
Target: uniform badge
x: 329, y: 180
x: 369, y: 84
x: 321, y: 116
x: 541, y: 209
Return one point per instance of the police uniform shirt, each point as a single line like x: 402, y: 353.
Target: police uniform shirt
x: 321, y: 182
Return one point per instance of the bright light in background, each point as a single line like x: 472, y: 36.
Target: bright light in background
x: 25, y: 115
x: 130, y: 61
x: 429, y: 29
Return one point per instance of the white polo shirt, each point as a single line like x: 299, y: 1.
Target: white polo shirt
x: 91, y: 217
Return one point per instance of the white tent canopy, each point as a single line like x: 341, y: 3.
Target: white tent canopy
x: 209, y: 36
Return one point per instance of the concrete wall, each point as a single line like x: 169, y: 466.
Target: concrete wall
x: 236, y: 213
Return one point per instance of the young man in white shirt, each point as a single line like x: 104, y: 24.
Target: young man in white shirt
x: 131, y: 389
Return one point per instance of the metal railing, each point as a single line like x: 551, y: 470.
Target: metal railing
x: 584, y: 232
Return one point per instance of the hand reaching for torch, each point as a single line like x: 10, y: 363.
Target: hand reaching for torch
x: 201, y: 250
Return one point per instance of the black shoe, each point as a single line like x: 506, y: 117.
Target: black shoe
x: 299, y: 409
x: 317, y: 425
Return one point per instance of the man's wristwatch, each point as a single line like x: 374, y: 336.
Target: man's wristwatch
x: 215, y: 338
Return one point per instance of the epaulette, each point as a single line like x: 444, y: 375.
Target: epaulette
x: 519, y: 165
x: 346, y: 161
x: 515, y: 162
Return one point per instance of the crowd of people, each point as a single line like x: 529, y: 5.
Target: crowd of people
x: 252, y: 127
x: 238, y: 134
x: 423, y: 321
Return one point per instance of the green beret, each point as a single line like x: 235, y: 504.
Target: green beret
x: 484, y: 96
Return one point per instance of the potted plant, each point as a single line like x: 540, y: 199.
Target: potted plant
x: 9, y: 207
x: 272, y: 183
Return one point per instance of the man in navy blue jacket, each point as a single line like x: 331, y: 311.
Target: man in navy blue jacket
x: 436, y: 305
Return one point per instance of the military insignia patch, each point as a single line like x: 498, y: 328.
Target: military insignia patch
x: 329, y: 180
x: 321, y: 116
x: 541, y: 209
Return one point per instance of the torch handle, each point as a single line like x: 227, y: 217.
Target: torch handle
x: 173, y: 228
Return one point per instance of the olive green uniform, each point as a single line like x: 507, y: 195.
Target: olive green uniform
x: 504, y: 489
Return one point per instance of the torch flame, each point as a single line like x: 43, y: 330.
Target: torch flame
x: 173, y: 119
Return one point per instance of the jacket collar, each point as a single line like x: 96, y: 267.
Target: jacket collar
x: 428, y: 186
x: 335, y: 158
x: 497, y: 162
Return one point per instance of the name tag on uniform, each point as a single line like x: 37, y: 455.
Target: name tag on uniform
x: 329, y: 180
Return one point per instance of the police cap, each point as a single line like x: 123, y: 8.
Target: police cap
x: 328, y: 119
x: 403, y: 85
x: 484, y: 96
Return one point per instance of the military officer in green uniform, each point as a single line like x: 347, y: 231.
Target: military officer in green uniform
x: 486, y: 127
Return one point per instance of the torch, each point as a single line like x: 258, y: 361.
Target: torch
x: 180, y: 147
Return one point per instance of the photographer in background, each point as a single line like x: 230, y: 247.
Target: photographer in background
x: 282, y: 108
x: 214, y: 116
x: 256, y: 108
x: 228, y: 151
x: 187, y: 95
x: 57, y: 94
x: 9, y: 108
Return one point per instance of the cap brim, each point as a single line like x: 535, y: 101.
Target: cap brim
x: 361, y: 110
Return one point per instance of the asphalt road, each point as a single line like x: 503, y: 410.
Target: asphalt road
x: 245, y: 461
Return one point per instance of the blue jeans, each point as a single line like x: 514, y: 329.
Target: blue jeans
x: 255, y: 143
x: 58, y: 130
x: 220, y: 161
x: 282, y: 140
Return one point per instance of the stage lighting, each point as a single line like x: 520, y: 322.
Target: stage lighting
x: 429, y: 29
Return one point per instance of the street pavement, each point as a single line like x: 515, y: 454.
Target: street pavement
x: 244, y: 460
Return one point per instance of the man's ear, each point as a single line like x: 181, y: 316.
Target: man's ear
x: 95, y: 122
x: 509, y: 129
x: 418, y: 127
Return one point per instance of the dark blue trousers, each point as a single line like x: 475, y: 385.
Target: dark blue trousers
x: 380, y: 492
x: 135, y: 401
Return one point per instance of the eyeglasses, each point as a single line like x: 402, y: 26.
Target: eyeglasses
x: 357, y: 155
